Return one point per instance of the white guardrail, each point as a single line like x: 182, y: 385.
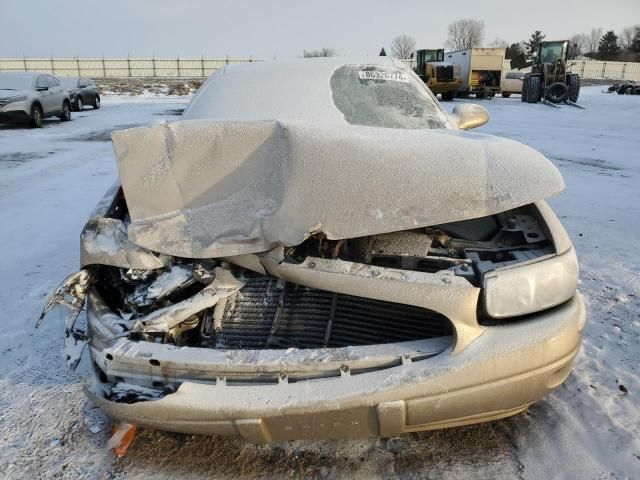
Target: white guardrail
x: 120, y: 67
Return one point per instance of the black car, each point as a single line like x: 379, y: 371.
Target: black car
x: 82, y: 91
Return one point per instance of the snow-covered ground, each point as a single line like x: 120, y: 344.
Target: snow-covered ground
x: 50, y: 180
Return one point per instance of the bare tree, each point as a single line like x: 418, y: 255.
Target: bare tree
x: 323, y: 52
x: 593, y: 39
x: 498, y: 43
x: 627, y: 35
x: 403, y: 46
x: 465, y: 33
x: 578, y: 45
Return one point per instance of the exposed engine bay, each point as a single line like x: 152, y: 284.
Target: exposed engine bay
x: 213, y: 303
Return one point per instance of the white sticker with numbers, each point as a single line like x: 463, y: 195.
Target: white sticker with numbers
x: 378, y: 75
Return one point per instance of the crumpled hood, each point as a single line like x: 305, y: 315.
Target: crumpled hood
x: 12, y: 93
x: 202, y: 188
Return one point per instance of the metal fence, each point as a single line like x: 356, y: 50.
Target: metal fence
x: 203, y: 67
x: 120, y: 67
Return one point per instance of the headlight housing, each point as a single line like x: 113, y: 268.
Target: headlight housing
x: 17, y: 98
x: 524, y: 289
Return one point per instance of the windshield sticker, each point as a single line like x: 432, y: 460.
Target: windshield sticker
x: 377, y: 75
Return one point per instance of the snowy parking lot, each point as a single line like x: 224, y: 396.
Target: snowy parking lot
x: 50, y: 180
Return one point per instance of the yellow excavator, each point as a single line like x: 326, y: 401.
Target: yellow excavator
x: 440, y: 76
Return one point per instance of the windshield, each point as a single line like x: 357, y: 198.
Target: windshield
x: 384, y: 96
x: 434, y: 56
x: 550, y: 52
x: 69, y: 82
x: 15, y: 82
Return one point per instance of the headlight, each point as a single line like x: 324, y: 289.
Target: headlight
x: 531, y: 288
x: 19, y: 98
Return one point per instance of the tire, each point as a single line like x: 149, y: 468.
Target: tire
x: 506, y: 94
x: 628, y: 90
x: 79, y: 104
x: 636, y: 91
x: 533, y: 92
x: 448, y: 96
x: 480, y: 95
x: 66, y: 112
x: 573, y: 81
x: 524, y: 96
x: 96, y: 102
x: 35, y: 118
x: 557, y: 92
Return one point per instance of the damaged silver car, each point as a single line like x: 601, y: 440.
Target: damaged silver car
x: 317, y: 250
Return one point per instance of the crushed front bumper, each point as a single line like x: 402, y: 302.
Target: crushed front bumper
x: 499, y: 374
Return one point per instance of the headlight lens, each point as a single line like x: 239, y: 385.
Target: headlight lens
x: 531, y: 288
x: 18, y: 98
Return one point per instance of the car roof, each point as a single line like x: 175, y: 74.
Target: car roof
x: 280, y: 89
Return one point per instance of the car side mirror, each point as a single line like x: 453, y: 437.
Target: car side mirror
x: 470, y: 116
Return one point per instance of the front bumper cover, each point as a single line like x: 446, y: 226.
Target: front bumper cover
x: 502, y: 372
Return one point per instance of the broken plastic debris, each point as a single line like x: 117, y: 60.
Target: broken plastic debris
x: 168, y: 282
x: 71, y: 293
x: 165, y: 319
x: 121, y: 439
x: 96, y: 428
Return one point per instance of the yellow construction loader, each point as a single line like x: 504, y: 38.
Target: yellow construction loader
x: 440, y: 76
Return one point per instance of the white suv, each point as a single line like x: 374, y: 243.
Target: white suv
x: 30, y: 97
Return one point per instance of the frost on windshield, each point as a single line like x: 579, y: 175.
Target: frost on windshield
x: 383, y: 96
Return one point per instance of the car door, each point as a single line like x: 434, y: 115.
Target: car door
x: 89, y: 91
x: 56, y: 93
x: 42, y: 88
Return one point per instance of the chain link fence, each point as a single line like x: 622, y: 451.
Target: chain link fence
x: 120, y: 67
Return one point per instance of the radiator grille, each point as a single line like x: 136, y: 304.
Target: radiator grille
x: 444, y: 73
x: 270, y: 313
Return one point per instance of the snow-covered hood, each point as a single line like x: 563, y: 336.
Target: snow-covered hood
x: 202, y: 188
x: 12, y: 93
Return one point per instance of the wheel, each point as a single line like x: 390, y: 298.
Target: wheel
x: 557, y: 92
x: 524, y: 96
x: 35, y: 118
x: 448, y: 96
x: 66, y: 112
x: 533, y: 92
x: 622, y: 89
x: 96, y: 103
x: 573, y: 81
x: 79, y: 104
x: 628, y: 90
x: 636, y: 91
x: 480, y: 95
x: 506, y: 94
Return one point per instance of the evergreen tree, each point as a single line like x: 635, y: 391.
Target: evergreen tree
x: 532, y: 45
x: 382, y: 53
x: 608, y: 48
x: 516, y: 55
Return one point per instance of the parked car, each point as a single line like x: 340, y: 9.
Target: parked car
x: 82, y: 92
x: 316, y: 249
x: 512, y: 83
x: 30, y: 97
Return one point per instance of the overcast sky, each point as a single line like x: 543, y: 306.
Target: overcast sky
x: 264, y: 29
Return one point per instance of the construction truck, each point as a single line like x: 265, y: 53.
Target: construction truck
x: 480, y: 70
x: 549, y: 80
x: 440, y: 76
